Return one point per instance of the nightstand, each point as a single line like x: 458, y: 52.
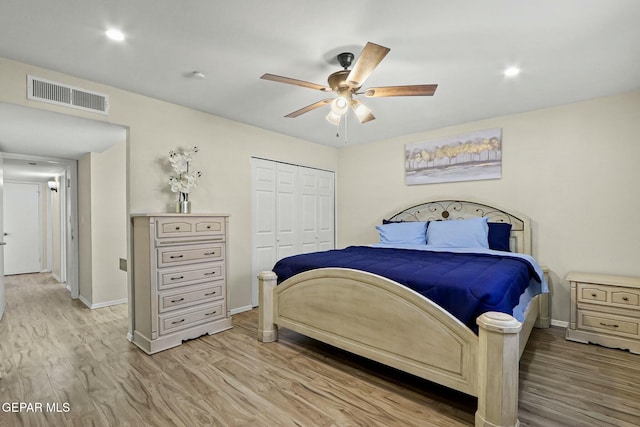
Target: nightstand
x: 605, y: 310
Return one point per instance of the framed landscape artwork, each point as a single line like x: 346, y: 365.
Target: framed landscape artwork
x: 468, y: 157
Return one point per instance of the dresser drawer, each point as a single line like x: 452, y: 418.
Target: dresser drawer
x: 608, y: 323
x: 190, y: 254
x: 170, y: 278
x: 190, y: 227
x: 188, y: 297
x: 187, y: 318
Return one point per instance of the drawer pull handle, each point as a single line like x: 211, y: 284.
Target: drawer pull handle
x: 209, y: 253
x: 210, y: 293
x: 208, y: 227
x: 177, y: 278
x: 210, y: 274
x: 608, y: 325
x: 625, y: 298
x: 177, y: 300
x: 176, y: 256
x: 177, y: 321
x: 594, y: 295
x: 177, y: 228
x: 209, y: 314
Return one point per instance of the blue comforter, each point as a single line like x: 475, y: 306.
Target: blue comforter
x: 464, y: 284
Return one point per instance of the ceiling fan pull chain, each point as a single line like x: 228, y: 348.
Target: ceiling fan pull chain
x: 345, y: 128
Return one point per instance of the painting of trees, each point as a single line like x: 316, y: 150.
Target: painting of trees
x: 461, y: 158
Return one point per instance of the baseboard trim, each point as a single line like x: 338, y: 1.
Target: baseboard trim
x: 240, y: 309
x: 102, y: 304
x: 560, y: 323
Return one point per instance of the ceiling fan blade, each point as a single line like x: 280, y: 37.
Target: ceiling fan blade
x: 309, y: 108
x: 369, y: 59
x: 414, y: 90
x: 295, y: 82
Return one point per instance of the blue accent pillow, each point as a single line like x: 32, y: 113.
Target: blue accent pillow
x: 412, y: 233
x: 459, y: 233
x: 499, y: 236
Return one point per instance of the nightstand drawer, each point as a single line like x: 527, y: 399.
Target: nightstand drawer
x: 625, y: 298
x: 607, y: 323
x: 175, y: 322
x: 589, y: 293
x: 190, y: 227
x: 187, y: 298
x: 191, y: 254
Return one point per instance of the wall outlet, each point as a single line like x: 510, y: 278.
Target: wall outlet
x: 123, y: 264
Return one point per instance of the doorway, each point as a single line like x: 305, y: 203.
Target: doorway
x: 55, y: 210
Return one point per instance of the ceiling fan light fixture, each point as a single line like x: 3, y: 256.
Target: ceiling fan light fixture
x: 333, y: 118
x: 361, y: 110
x: 339, y: 105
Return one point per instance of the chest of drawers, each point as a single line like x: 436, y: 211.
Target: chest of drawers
x: 179, y: 278
x: 605, y: 310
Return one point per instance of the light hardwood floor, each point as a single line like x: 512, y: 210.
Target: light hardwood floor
x: 54, y: 350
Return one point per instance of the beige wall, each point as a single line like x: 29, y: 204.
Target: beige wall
x: 109, y: 224
x: 573, y: 169
x: 225, y: 151
x: 85, y: 255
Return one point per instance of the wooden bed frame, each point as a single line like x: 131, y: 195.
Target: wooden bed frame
x: 378, y: 318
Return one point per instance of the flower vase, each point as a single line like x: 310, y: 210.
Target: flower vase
x: 183, y: 206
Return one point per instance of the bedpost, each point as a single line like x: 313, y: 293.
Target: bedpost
x: 498, y: 368
x: 544, y: 316
x: 267, y: 330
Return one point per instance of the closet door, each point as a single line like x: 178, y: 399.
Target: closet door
x: 264, y: 251
x: 308, y: 210
x: 293, y: 213
x: 287, y: 210
x: 326, y: 210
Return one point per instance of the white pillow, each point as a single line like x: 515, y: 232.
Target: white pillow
x: 459, y: 233
x: 410, y: 233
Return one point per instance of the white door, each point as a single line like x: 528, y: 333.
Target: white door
x: 308, y: 210
x: 293, y: 211
x: 2, y: 243
x: 22, y: 228
x: 286, y: 212
x: 264, y: 220
x: 326, y: 210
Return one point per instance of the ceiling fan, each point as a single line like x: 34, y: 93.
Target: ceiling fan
x: 348, y: 83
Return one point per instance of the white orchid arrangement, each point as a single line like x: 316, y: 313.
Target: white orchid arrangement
x: 183, y: 180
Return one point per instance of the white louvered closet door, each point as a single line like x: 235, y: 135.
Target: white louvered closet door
x: 293, y: 210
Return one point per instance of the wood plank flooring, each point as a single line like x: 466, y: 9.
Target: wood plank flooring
x: 54, y: 350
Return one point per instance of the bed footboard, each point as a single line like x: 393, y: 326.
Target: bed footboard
x: 379, y: 319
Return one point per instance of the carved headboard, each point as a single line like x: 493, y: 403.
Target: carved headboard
x: 447, y: 210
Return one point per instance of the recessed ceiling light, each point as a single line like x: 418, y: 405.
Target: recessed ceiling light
x: 512, y: 71
x: 115, y: 35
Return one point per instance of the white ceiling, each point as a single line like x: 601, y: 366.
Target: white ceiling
x: 568, y: 50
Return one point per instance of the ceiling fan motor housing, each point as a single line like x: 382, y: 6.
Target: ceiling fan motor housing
x: 345, y: 59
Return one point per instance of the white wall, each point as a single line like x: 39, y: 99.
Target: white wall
x: 573, y: 169
x: 155, y: 127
